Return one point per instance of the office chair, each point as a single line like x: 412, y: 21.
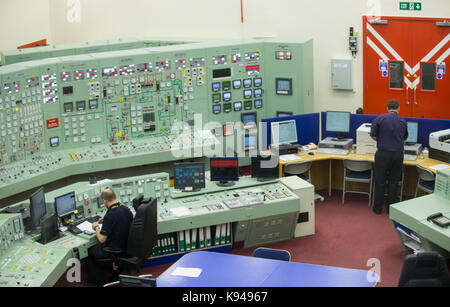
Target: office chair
x: 127, y: 281
x: 426, y: 269
x: 360, y: 171
x: 270, y: 253
x: 142, y: 237
x: 299, y: 169
x: 426, y: 180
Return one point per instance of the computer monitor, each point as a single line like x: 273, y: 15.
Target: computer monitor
x: 38, y: 209
x: 262, y: 168
x: 224, y: 171
x: 338, y: 122
x: 189, y: 177
x: 413, y: 130
x: 49, y: 229
x: 65, y: 205
x: 249, y: 120
x: 284, y: 114
x: 284, y: 132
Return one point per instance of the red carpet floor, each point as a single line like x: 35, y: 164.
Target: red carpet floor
x: 346, y: 236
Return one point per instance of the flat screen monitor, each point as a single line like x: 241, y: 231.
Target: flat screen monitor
x: 257, y: 82
x: 224, y: 170
x: 413, y: 130
x: 237, y: 84
x: 65, y: 204
x: 37, y: 208
x: 238, y: 106
x: 226, y: 96
x: 339, y: 122
x: 216, y: 86
x: 284, y: 132
x: 247, y: 83
x: 189, y: 177
x: 249, y: 120
x: 49, y: 229
x: 284, y: 114
x: 258, y: 103
x: 265, y: 168
x: 247, y: 94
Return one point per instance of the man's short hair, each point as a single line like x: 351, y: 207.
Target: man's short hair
x: 108, y: 195
x: 393, y: 104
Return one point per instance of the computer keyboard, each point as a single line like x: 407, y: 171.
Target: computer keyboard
x: 333, y: 151
x: 409, y: 157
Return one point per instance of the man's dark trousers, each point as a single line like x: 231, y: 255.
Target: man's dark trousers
x: 388, y: 167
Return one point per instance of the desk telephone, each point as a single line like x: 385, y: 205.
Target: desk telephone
x: 439, y: 219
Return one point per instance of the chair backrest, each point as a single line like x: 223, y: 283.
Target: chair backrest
x: 270, y: 253
x: 357, y: 165
x: 424, y: 174
x: 426, y: 269
x: 297, y: 168
x: 143, y: 234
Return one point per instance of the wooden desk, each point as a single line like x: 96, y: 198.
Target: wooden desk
x: 426, y: 162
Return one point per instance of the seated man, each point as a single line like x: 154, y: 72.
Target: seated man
x: 114, y: 234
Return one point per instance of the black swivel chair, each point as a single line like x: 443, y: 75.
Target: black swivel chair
x: 142, y: 237
x: 426, y: 269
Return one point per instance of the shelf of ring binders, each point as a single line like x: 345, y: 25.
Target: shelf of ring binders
x: 193, y: 239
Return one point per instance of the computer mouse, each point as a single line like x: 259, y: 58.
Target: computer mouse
x: 311, y: 153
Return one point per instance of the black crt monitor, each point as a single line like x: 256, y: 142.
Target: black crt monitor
x: 413, y: 131
x: 189, y: 177
x: 339, y: 122
x: 49, y: 229
x: 65, y: 205
x: 265, y: 168
x: 224, y: 170
x: 38, y: 209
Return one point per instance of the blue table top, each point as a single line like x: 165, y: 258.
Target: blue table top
x: 227, y: 270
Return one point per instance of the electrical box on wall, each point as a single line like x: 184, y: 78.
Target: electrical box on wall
x: 341, y: 74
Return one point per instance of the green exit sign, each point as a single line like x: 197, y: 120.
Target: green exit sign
x: 410, y: 6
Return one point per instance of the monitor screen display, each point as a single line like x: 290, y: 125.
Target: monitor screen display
x: 226, y: 96
x: 189, y: 176
x: 248, y: 119
x: 257, y: 82
x: 258, y: 93
x: 237, y: 84
x: 224, y: 169
x: 238, y: 106
x: 338, y: 122
x: 217, y: 109
x: 247, y: 94
x: 65, y: 204
x: 93, y: 104
x: 284, y: 132
x: 37, y: 207
x: 413, y: 129
x: 216, y: 86
x: 250, y: 142
x: 258, y: 103
x: 247, y: 83
x: 54, y: 141
x: 265, y: 167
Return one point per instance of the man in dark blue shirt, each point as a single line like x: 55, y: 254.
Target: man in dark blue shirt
x: 113, y: 233
x: 390, y: 131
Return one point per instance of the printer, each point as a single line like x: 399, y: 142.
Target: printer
x: 440, y: 145
x: 365, y: 145
x: 336, y: 143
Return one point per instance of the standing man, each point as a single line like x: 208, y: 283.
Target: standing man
x: 113, y: 234
x: 390, y: 132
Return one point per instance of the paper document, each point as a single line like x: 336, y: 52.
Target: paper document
x: 289, y: 157
x: 86, y: 226
x: 438, y: 167
x: 181, y: 211
x: 187, y: 272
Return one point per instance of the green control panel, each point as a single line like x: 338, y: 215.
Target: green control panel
x: 93, y: 112
x: 252, y: 212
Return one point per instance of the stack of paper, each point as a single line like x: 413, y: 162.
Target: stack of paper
x: 289, y: 157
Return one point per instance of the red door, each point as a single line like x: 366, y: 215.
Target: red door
x: 402, y: 57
